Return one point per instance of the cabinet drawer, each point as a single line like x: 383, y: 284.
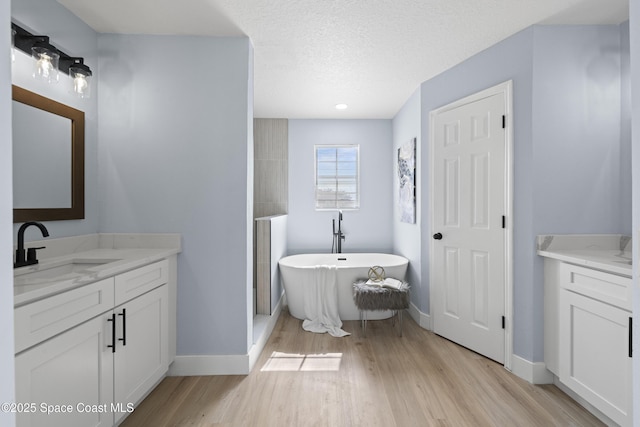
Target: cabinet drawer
x: 130, y: 285
x: 43, y: 319
x: 606, y: 287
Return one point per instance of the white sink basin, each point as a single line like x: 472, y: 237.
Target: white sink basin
x: 44, y: 273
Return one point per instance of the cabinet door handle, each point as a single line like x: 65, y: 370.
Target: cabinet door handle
x: 112, y: 346
x: 630, y: 336
x: 124, y: 326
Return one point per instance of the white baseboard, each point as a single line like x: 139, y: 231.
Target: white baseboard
x: 533, y: 372
x: 422, y: 319
x: 233, y: 364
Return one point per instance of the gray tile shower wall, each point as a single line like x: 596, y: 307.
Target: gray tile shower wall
x: 271, y: 184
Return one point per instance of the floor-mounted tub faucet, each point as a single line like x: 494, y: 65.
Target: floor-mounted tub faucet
x: 31, y: 258
x: 338, y: 236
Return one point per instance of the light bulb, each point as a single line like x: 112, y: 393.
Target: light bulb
x: 80, y: 84
x: 45, y: 64
x: 81, y: 75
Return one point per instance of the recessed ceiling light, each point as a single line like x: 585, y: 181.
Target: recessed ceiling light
x: 341, y: 106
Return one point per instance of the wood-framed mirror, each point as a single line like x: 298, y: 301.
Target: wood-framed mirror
x: 48, y: 159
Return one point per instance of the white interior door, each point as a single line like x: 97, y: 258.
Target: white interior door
x: 469, y: 213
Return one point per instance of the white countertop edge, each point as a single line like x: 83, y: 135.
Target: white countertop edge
x: 580, y: 259
x: 129, y: 259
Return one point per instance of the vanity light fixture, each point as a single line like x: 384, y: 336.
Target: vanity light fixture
x: 341, y: 106
x: 47, y: 60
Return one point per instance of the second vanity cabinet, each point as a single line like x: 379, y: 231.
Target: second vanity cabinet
x: 588, y: 335
x: 85, y: 357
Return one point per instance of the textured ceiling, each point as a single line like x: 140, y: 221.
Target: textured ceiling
x: 310, y: 55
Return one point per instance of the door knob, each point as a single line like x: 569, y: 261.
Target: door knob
x: 437, y: 236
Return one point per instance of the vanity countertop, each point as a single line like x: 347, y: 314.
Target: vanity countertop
x: 610, y: 261
x: 608, y: 253
x: 101, y: 263
x: 28, y: 290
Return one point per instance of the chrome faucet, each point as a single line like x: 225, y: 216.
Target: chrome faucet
x: 338, y: 236
x: 31, y: 252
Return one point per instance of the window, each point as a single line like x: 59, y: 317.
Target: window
x: 337, y: 177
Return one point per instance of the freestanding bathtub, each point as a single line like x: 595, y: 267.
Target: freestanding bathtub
x: 350, y: 267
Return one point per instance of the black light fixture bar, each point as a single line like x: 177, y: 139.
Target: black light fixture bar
x: 24, y: 41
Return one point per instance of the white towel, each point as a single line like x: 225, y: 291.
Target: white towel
x: 321, y: 301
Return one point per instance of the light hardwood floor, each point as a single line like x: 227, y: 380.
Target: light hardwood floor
x: 307, y: 379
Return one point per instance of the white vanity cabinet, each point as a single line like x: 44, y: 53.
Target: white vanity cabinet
x: 90, y: 354
x: 587, y: 335
x: 140, y: 360
x: 74, y: 367
x: 594, y: 356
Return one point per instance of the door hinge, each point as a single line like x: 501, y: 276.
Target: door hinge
x: 504, y: 221
x: 503, y: 322
x: 504, y: 121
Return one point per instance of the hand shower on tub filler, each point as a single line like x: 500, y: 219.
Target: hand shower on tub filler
x: 338, y: 236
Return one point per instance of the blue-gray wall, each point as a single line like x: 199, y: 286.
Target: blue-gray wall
x: 176, y: 152
x: 570, y: 170
x: 169, y: 147
x: 406, y: 237
x: 75, y: 38
x: 7, y: 372
x: 367, y: 229
x: 576, y: 129
x: 510, y: 59
x: 581, y: 179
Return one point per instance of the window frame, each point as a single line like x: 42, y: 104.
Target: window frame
x: 357, y: 177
